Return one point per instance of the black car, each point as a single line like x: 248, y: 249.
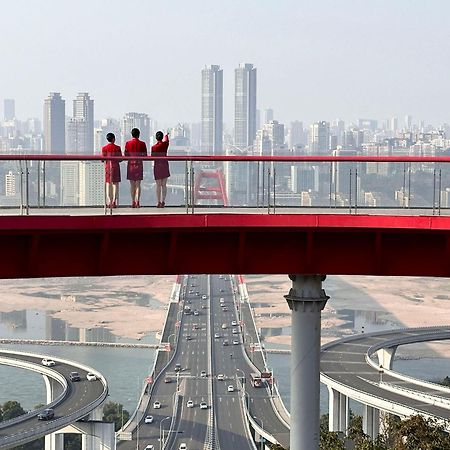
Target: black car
x: 47, y: 414
x: 74, y: 376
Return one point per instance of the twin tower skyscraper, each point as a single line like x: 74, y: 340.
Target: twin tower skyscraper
x: 212, y: 108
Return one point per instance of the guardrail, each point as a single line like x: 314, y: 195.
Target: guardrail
x: 265, y: 182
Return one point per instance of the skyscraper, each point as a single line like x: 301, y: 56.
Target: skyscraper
x: 83, y: 111
x: 9, y: 109
x: 245, y: 105
x: 319, y: 138
x: 54, y: 124
x: 268, y: 115
x: 212, y: 110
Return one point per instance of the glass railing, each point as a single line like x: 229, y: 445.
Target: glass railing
x: 300, y: 184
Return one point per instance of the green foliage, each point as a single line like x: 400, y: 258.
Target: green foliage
x: 72, y: 441
x: 11, y: 409
x: 114, y: 412
x: 330, y: 440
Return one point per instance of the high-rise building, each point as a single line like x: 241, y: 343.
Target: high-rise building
x: 245, y: 105
x: 91, y: 183
x: 296, y: 135
x: 9, y: 109
x: 212, y: 110
x: 268, y: 115
x: 77, y: 136
x: 69, y: 183
x: 54, y: 124
x: 106, y: 126
x: 408, y: 122
x: 83, y: 111
x: 319, y: 138
x: 136, y: 120
x: 10, y: 184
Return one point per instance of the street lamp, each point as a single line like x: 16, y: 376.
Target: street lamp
x: 262, y: 437
x: 160, y: 427
x: 243, y: 377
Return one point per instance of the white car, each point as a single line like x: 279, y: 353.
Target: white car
x: 235, y: 342
x: 190, y: 404
x: 148, y: 419
x: 221, y: 377
x: 204, y: 297
x: 157, y: 405
x: 230, y: 388
x: 203, y: 373
x: 182, y: 446
x: 234, y: 323
x: 235, y: 331
x: 48, y: 362
x: 216, y: 335
x: 203, y: 405
x: 91, y: 376
x: 150, y: 447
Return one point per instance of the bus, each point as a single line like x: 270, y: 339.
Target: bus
x: 256, y: 380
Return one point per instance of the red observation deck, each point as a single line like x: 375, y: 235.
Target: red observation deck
x: 47, y: 246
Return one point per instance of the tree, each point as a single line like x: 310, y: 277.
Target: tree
x: 114, y: 412
x: 11, y: 409
x: 72, y: 441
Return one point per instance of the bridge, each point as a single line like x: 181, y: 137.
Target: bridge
x: 70, y: 400
x: 298, y: 241
x: 349, y: 371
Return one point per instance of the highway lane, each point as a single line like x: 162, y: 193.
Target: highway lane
x: 79, y: 394
x: 232, y: 433
x: 192, y: 356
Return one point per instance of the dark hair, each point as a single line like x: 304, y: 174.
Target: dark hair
x: 110, y: 137
x: 135, y: 132
x: 159, y: 135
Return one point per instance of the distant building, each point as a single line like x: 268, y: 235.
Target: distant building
x: 106, y: 126
x: 319, y: 138
x: 54, y: 124
x: 212, y: 110
x: 137, y: 120
x: 9, y: 109
x: 268, y: 115
x: 245, y: 106
x: 77, y: 141
x: 10, y: 184
x: 69, y: 183
x: 83, y: 111
x: 296, y: 135
x: 91, y: 183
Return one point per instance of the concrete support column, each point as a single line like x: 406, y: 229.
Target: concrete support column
x: 54, y: 441
x: 306, y: 299
x: 371, y: 421
x: 386, y: 357
x: 343, y: 413
x: 338, y: 411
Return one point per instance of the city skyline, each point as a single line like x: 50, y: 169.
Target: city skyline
x: 326, y: 60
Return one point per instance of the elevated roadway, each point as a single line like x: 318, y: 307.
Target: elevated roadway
x: 72, y: 401
x: 347, y: 366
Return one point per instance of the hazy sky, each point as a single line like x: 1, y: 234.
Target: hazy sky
x: 316, y: 60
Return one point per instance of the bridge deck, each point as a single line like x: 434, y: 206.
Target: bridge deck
x: 44, y: 245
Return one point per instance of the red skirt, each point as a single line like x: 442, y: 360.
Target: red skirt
x: 112, y: 172
x: 135, y: 171
x: 161, y: 169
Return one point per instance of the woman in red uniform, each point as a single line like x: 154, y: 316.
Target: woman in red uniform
x: 112, y: 171
x: 135, y: 170
x: 161, y: 167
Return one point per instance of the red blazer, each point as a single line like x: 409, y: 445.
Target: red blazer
x: 112, y: 168
x: 135, y: 147
x: 160, y: 148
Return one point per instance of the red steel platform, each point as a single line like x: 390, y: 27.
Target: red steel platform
x: 55, y: 246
